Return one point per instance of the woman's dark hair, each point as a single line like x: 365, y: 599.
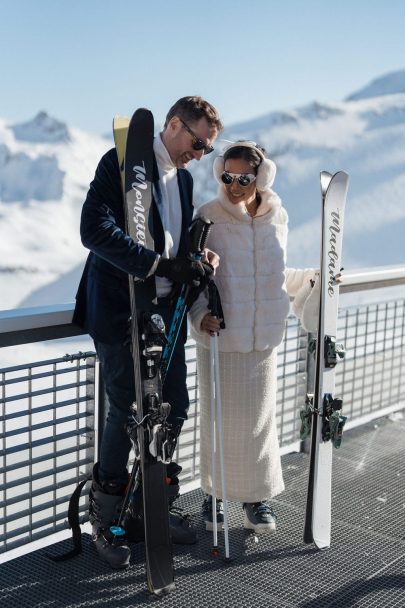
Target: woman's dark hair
x: 248, y: 154
x: 192, y: 108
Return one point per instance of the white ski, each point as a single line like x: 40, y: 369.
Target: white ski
x: 323, y: 407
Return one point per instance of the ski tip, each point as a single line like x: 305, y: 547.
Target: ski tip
x: 339, y: 182
x: 120, y: 122
x: 342, y: 174
x: 326, y: 176
x: 325, y: 181
x: 342, y: 178
x: 142, y: 111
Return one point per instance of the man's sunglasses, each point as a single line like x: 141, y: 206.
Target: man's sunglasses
x: 198, y: 144
x: 244, y: 179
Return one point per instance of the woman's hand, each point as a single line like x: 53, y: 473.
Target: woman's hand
x: 210, y: 324
x: 339, y: 277
x: 210, y: 257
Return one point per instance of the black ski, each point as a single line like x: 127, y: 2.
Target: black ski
x: 149, y: 433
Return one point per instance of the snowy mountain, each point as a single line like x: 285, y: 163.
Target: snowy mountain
x: 45, y: 169
x: 366, y: 138
x: 46, y: 166
x: 390, y: 84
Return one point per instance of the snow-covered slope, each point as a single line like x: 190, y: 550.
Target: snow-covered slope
x: 390, y: 84
x: 366, y: 138
x: 45, y: 169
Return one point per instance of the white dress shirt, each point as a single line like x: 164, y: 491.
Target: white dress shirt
x: 169, y: 207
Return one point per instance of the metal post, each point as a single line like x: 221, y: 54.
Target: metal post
x: 102, y: 408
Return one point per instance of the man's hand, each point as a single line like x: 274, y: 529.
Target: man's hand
x: 185, y: 271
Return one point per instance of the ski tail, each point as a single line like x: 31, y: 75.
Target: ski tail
x: 120, y: 130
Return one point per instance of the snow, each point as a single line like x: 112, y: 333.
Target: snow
x: 42, y: 128
x: 390, y: 84
x: 395, y: 416
x: 46, y: 167
x: 366, y: 138
x: 43, y: 180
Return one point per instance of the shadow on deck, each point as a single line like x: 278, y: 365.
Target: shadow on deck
x: 365, y: 566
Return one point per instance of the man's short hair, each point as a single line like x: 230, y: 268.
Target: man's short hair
x: 192, y: 108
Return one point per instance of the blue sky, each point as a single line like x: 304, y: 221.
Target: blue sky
x: 84, y: 61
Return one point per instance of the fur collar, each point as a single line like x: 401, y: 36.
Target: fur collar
x: 270, y: 204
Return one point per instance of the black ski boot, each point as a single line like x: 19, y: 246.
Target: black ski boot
x: 105, y: 502
x: 181, y: 529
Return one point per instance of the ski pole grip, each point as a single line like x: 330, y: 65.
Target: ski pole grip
x: 212, y: 299
x: 198, y: 235
x: 215, y: 304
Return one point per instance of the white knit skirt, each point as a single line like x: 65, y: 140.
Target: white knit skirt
x: 251, y: 450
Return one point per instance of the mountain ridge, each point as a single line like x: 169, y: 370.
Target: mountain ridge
x: 389, y: 84
x: 46, y: 167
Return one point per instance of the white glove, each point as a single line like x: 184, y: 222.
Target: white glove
x: 306, y: 305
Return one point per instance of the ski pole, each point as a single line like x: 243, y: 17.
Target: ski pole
x: 216, y: 421
x: 197, y: 236
x: 215, y: 550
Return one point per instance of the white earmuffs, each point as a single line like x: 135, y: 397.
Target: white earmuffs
x: 266, y: 171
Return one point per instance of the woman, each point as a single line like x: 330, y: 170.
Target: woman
x: 250, y: 235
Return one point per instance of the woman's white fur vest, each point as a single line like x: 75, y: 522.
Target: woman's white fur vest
x: 252, y: 280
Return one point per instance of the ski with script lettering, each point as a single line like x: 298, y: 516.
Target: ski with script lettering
x: 149, y: 430
x: 323, y: 408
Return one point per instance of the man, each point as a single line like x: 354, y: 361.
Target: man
x: 103, y: 309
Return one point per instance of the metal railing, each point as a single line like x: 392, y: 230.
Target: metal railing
x: 47, y: 440
x: 371, y: 379
x: 49, y: 409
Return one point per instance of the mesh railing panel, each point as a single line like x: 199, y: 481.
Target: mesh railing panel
x: 371, y: 377
x: 46, y: 443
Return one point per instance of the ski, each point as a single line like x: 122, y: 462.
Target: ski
x: 322, y: 414
x: 197, y: 238
x: 120, y: 130
x: 149, y: 432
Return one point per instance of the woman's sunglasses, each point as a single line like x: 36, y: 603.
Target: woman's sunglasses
x: 244, y: 179
x: 198, y: 144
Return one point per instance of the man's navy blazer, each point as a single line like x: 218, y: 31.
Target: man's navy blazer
x: 102, y: 300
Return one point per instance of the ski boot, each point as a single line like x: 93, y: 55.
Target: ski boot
x: 207, y: 514
x: 181, y: 529
x: 105, y: 502
x: 259, y: 516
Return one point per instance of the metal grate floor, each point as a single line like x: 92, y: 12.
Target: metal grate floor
x: 365, y: 566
